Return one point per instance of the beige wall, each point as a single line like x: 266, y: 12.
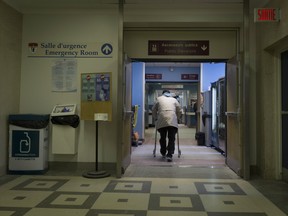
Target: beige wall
x: 93, y: 26
x: 196, y: 14
x: 270, y: 42
x: 10, y: 62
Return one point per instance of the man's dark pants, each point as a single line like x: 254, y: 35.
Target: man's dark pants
x: 171, y: 132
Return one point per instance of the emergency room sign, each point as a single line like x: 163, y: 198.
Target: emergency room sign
x: 69, y: 50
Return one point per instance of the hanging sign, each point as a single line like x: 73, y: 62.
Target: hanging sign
x: 189, y: 77
x: 178, y: 47
x: 153, y: 76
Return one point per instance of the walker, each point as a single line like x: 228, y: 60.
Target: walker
x: 179, y: 151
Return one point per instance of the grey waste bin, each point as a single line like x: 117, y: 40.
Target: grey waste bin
x: 28, y: 143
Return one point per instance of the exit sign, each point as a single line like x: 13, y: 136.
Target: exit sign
x: 266, y: 14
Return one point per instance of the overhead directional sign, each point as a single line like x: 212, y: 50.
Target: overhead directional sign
x: 178, y: 47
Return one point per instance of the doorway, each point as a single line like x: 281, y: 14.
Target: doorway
x: 284, y: 94
x: 190, y: 153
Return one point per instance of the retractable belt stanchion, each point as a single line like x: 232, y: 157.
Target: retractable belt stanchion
x: 96, y: 173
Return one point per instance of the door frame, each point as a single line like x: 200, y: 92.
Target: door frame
x: 283, y: 171
x: 245, y: 141
x: 276, y: 54
x: 240, y: 90
x: 120, y: 111
x: 241, y: 116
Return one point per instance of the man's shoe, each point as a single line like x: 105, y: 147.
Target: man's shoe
x: 163, y: 156
x: 169, y: 158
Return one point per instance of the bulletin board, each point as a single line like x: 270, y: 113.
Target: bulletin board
x: 96, y: 95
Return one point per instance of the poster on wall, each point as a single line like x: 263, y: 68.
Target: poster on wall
x: 87, y: 87
x: 96, y: 91
x: 64, y: 73
x: 95, y: 87
x: 102, y: 87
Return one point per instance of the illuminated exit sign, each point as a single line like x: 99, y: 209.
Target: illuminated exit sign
x: 266, y: 14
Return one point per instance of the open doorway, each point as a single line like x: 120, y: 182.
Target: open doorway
x: 193, y: 83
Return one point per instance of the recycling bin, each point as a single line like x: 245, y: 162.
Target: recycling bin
x: 28, y: 143
x: 64, y: 129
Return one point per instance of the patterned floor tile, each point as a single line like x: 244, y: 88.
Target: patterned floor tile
x: 56, y: 212
x: 128, y: 186
x: 172, y: 213
x: 171, y: 202
x: 84, y: 185
x: 23, y: 199
x: 172, y: 186
x: 219, y: 188
x: 12, y: 211
x: 235, y: 214
x: 75, y: 200
x: 229, y: 203
x: 122, y: 201
x: 40, y: 184
x: 116, y: 213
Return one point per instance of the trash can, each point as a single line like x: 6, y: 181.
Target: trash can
x: 64, y: 129
x: 200, y: 137
x: 28, y: 143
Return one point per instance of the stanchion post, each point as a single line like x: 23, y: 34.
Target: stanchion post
x: 96, y: 173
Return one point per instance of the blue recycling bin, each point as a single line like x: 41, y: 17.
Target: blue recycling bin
x: 28, y: 143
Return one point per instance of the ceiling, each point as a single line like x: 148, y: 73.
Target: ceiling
x: 28, y: 5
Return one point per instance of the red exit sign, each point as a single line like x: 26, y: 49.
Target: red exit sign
x: 266, y: 14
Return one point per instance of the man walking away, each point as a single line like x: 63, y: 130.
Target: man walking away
x: 166, y: 111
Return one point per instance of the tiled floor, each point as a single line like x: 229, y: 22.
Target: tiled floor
x: 78, y: 196
x: 150, y: 187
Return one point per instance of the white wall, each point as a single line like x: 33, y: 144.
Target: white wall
x: 10, y: 62
x: 93, y: 26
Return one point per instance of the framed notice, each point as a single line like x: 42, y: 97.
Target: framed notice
x: 96, y: 95
x: 102, y: 87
